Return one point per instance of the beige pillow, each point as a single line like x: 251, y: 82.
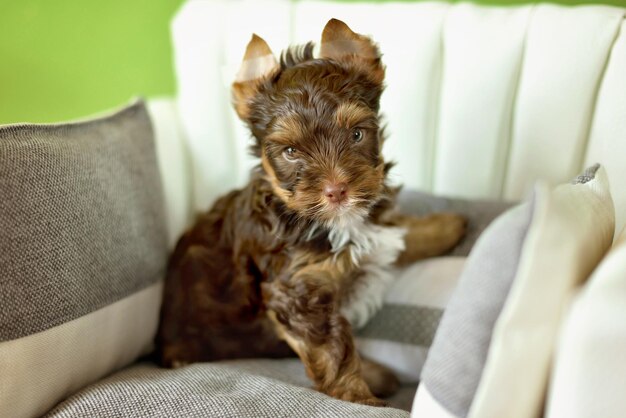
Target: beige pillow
x: 572, y: 229
x: 589, y: 374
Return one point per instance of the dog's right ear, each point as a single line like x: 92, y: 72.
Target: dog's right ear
x: 258, y: 64
x: 340, y: 43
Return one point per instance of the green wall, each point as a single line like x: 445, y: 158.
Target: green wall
x: 62, y: 59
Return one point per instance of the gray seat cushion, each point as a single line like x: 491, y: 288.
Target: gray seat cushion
x: 241, y: 388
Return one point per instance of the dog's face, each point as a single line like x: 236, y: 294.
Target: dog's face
x: 316, y: 122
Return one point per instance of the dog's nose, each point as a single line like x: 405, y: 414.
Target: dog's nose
x: 336, y: 192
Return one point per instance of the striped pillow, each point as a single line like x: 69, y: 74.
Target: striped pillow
x: 400, y: 335
x: 83, y: 248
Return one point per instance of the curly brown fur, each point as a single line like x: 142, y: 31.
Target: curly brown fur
x: 285, y: 264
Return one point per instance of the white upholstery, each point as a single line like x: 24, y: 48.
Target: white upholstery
x: 481, y: 101
x: 173, y: 164
x: 566, y: 52
x: 607, y: 139
x: 482, y: 55
x: 209, y: 41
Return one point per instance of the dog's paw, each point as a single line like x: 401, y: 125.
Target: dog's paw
x: 431, y: 236
x: 356, y: 392
x: 380, y: 380
x: 177, y: 364
x: 373, y: 401
x: 452, y: 229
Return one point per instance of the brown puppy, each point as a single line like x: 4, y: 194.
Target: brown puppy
x: 300, y: 255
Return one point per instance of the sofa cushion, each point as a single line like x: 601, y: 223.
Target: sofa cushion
x: 83, y: 248
x: 589, y: 370
x: 500, y: 324
x: 241, y: 388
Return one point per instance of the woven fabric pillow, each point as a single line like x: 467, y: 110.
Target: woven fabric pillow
x: 83, y: 247
x: 490, y: 356
x: 589, y: 370
x: 400, y: 335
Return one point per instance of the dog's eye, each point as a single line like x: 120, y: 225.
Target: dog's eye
x: 290, y: 154
x: 357, y: 135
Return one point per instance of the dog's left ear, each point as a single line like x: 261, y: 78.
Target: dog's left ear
x: 259, y: 63
x: 340, y: 43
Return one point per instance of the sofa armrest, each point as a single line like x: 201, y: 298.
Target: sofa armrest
x: 173, y: 158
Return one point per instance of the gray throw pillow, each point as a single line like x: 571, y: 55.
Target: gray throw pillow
x: 455, y: 362
x: 82, y: 253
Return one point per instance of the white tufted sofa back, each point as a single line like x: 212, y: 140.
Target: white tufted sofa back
x: 481, y: 101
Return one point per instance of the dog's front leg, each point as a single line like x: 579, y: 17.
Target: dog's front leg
x: 428, y: 236
x: 305, y: 309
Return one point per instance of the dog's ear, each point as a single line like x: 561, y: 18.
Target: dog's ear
x: 258, y: 64
x: 340, y: 43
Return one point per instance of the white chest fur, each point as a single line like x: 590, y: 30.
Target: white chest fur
x: 374, y: 249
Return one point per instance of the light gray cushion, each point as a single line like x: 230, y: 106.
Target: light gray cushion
x: 242, y: 388
x: 456, y: 359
